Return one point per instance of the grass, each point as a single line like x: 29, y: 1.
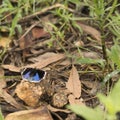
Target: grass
x: 1, y: 116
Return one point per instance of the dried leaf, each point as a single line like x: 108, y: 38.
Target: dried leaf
x: 8, y: 98
x: 43, y: 57
x: 11, y: 68
x: 35, y: 114
x: 2, y: 81
x: 73, y: 100
x: 38, y: 32
x: 26, y: 41
x: 92, y: 31
x: 40, y: 62
x: 92, y: 55
x: 74, y: 84
x: 4, y: 42
x: 46, y: 61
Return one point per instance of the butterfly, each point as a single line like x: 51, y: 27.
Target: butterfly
x: 33, y: 74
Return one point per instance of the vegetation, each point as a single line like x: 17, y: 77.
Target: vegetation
x: 104, y: 16
x: 111, y: 103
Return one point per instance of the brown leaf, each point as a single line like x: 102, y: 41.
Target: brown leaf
x: 34, y: 114
x: 11, y: 68
x: 92, y: 31
x: 4, y: 42
x: 73, y: 100
x: 43, y: 57
x: 92, y: 55
x: 2, y: 81
x: 74, y: 84
x: 26, y: 41
x: 38, y: 32
x: 46, y: 61
x: 41, y: 62
x: 9, y: 99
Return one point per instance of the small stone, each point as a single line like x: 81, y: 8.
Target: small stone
x: 59, y: 100
x: 30, y: 93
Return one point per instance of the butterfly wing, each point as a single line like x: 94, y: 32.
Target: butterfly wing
x: 27, y: 75
x: 36, y: 77
x: 33, y: 75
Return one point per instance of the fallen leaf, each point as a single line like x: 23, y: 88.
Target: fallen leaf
x: 34, y: 114
x: 38, y: 32
x: 66, y: 62
x: 73, y: 100
x: 43, y: 57
x: 92, y: 55
x: 74, y: 84
x: 41, y: 62
x: 9, y: 99
x: 92, y: 31
x: 45, y: 60
x: 11, y: 67
x: 27, y: 39
x: 2, y: 81
x: 5, y: 41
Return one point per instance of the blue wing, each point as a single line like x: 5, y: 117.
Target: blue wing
x: 27, y: 75
x: 32, y: 77
x: 36, y: 77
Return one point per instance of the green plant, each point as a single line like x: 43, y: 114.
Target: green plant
x: 114, y: 56
x: 17, y: 10
x: 90, y: 61
x: 1, y: 116
x: 114, y: 61
x: 102, y: 13
x: 114, y: 25
x: 57, y: 35
x: 8, y: 9
x: 110, y: 102
x: 62, y: 27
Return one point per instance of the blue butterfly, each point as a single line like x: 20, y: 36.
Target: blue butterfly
x: 33, y: 75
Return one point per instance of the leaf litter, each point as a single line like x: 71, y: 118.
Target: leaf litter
x: 41, y: 47
x: 34, y: 114
x: 39, y: 62
x: 3, y: 93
